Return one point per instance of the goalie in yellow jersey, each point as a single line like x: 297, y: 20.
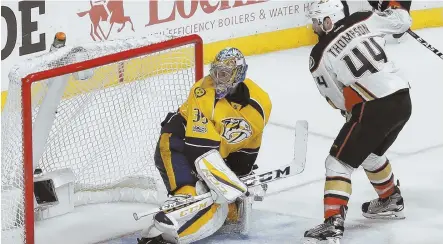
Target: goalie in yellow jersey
x: 224, y: 111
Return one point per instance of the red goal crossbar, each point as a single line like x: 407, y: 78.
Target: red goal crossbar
x: 76, y: 67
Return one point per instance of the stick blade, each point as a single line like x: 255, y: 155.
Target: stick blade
x: 300, y: 147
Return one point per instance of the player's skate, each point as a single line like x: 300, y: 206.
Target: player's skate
x: 331, y: 231
x: 388, y: 208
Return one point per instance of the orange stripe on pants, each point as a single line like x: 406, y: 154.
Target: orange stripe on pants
x: 346, y: 139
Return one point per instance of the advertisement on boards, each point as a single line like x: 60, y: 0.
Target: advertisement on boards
x: 28, y: 27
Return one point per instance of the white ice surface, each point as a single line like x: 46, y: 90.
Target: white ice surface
x: 92, y: 224
x: 295, y: 204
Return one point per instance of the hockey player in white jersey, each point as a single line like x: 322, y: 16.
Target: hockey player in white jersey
x: 354, y: 74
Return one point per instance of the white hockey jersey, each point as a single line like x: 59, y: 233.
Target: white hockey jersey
x: 349, y: 64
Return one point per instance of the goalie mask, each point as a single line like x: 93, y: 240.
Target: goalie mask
x: 227, y: 71
x: 320, y: 10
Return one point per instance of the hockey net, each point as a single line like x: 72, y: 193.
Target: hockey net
x: 103, y: 127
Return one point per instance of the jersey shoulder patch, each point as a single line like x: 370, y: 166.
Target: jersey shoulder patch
x: 201, y: 97
x: 202, y: 87
x: 199, y: 92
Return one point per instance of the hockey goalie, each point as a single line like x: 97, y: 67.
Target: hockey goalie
x: 205, y: 147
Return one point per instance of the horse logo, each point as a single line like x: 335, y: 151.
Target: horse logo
x: 110, y: 11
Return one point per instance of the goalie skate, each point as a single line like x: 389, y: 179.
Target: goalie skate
x: 154, y: 240
x: 388, y: 208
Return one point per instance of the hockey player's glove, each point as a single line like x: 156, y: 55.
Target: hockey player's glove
x: 382, y: 5
x: 379, y: 5
x: 241, y: 163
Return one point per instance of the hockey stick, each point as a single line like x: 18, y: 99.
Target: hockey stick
x: 250, y: 181
x: 174, y: 205
x: 424, y: 43
x: 296, y: 166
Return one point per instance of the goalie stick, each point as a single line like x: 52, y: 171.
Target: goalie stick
x: 295, y: 167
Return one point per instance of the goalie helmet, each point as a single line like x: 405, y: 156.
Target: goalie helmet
x: 227, y: 71
x: 319, y: 10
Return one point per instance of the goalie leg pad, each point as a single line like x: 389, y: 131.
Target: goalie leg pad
x: 224, y: 183
x: 191, y: 223
x: 203, y: 223
x: 167, y: 226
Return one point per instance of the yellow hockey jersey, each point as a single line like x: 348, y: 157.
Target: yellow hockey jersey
x: 233, y: 125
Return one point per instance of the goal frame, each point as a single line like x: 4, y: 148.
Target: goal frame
x: 76, y: 67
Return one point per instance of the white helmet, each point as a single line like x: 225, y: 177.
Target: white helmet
x: 321, y: 9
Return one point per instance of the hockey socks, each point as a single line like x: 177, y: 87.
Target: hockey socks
x: 337, y: 192
x: 382, y: 179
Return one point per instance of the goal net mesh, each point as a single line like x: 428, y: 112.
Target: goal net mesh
x: 104, y: 127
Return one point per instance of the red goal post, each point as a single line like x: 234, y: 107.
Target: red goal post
x: 27, y: 106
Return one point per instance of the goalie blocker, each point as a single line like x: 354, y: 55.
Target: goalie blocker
x: 225, y: 186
